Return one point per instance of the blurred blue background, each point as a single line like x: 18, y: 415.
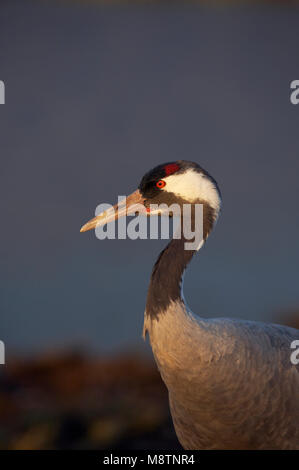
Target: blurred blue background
x: 98, y: 95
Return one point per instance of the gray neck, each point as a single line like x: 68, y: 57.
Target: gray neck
x: 166, y: 278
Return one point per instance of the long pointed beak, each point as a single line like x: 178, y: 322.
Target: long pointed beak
x: 129, y: 206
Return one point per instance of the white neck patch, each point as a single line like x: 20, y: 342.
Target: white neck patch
x: 191, y: 186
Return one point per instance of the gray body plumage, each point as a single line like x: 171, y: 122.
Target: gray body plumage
x: 231, y: 383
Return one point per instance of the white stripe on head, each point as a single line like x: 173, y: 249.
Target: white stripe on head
x: 193, y: 185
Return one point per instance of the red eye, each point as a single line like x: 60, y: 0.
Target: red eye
x: 160, y: 184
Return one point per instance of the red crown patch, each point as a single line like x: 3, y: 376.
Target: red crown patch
x: 171, y: 168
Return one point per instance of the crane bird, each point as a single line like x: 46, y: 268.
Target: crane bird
x: 231, y: 382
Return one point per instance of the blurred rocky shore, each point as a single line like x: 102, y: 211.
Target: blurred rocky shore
x: 69, y: 400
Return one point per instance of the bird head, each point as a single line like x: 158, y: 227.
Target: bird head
x: 167, y: 185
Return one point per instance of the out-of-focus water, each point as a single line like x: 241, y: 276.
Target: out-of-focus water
x: 96, y: 96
